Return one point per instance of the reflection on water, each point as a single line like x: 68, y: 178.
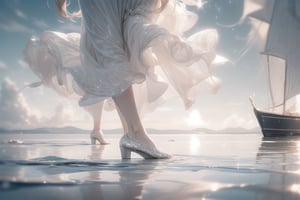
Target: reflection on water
x: 130, y: 182
x: 204, y: 166
x: 92, y: 178
x: 281, y: 157
x: 194, y: 144
x: 280, y: 154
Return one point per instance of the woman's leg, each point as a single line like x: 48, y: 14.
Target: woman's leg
x: 136, y: 139
x: 96, y: 112
x: 123, y: 121
x: 97, y: 116
x: 127, y: 108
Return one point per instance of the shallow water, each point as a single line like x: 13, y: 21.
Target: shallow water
x: 203, y: 166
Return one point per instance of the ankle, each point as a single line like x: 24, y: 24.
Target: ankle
x: 135, y: 131
x: 133, y: 134
x: 96, y: 132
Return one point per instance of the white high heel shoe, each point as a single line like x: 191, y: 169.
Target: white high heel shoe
x: 97, y: 136
x: 128, y: 145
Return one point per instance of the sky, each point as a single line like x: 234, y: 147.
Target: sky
x: 42, y: 107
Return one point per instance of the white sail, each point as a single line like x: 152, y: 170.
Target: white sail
x: 275, y: 70
x: 281, y: 47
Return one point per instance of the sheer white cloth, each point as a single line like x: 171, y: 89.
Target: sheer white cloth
x: 124, y: 43
x: 52, y: 56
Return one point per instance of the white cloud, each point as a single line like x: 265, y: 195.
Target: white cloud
x: 14, y: 26
x: 61, y: 115
x: 14, y: 109
x: 20, y: 14
x: 233, y: 121
x: 236, y: 103
x: 40, y: 23
x: 236, y: 121
x: 175, y: 118
x: 16, y: 113
x: 22, y: 64
x: 2, y: 65
x: 69, y: 27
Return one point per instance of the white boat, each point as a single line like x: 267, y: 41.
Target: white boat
x: 278, y: 24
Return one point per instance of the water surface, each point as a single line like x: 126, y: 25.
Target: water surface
x: 203, y: 166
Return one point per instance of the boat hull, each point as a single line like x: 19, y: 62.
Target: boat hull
x: 276, y: 125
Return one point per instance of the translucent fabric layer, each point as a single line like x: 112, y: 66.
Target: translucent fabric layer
x: 130, y: 42
x: 123, y: 40
x: 55, y: 55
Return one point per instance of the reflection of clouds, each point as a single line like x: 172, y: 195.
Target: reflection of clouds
x: 96, y: 178
x: 19, y: 153
x: 194, y: 144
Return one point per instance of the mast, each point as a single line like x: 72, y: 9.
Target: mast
x: 284, y: 88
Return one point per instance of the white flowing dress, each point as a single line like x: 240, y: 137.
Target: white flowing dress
x: 126, y: 42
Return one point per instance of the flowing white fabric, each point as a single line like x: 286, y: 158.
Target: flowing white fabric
x: 125, y: 42
x: 51, y: 56
x: 54, y: 55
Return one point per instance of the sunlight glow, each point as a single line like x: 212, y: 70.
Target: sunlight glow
x: 197, y: 3
x: 293, y: 105
x: 220, y: 60
x: 194, y: 118
x: 295, y: 188
x: 298, y: 157
x: 194, y: 144
x: 297, y: 106
x: 214, y: 187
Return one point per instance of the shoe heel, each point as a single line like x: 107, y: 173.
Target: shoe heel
x: 125, y: 153
x: 93, y: 140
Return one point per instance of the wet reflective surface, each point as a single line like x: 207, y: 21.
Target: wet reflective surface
x: 203, y: 166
